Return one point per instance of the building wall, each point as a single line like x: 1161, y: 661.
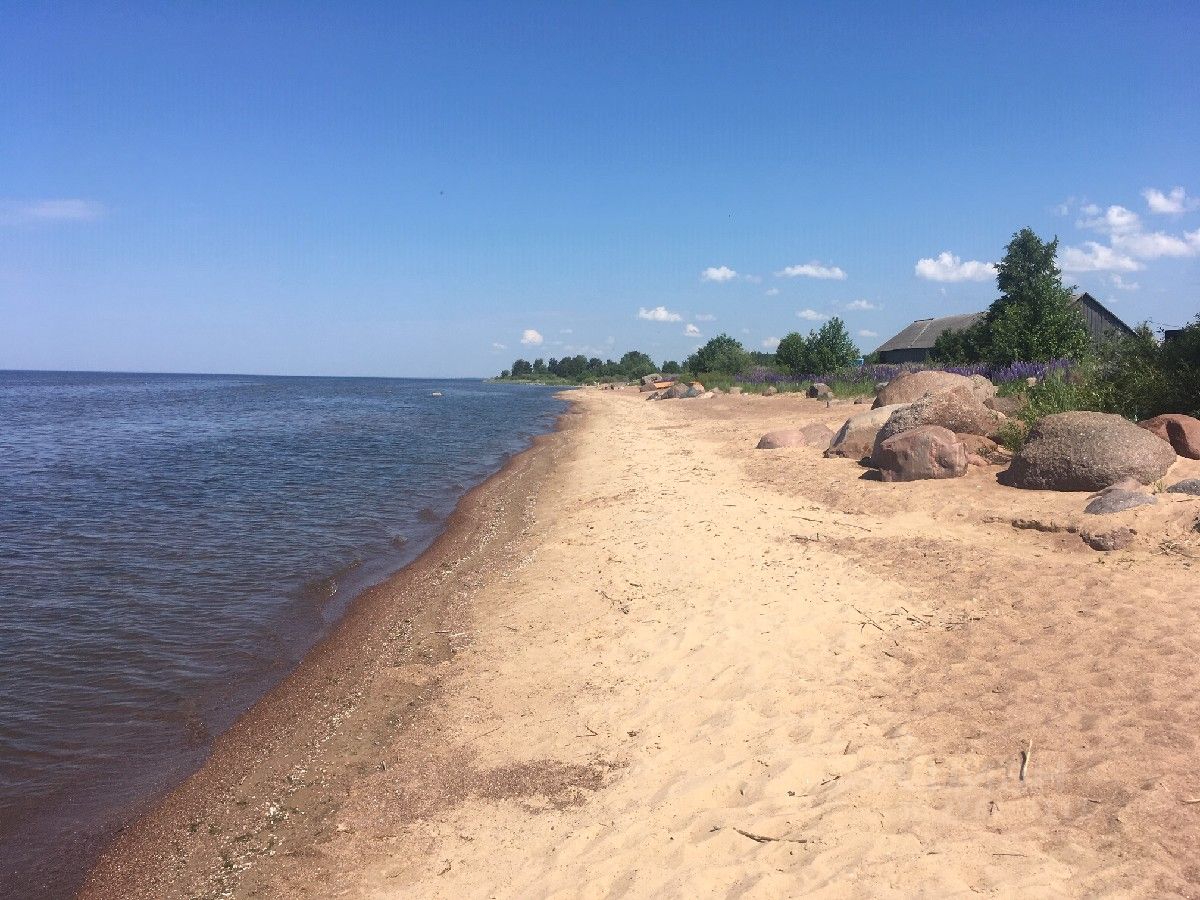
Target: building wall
x: 896, y: 357
x: 1100, y: 322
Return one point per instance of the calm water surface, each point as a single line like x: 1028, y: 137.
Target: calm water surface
x: 170, y: 546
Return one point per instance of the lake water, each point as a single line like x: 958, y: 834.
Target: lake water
x: 171, y: 546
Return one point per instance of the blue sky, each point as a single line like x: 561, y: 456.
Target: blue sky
x: 412, y: 189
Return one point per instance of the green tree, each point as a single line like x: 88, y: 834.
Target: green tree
x: 539, y: 367
x: 504, y: 373
x: 521, y: 368
x: 722, y: 354
x: 831, y: 348
x: 1034, y: 318
x: 670, y: 367
x: 792, y: 353
x: 961, y: 345
x: 636, y: 364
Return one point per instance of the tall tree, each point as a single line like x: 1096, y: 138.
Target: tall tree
x: 722, y: 354
x: 792, y: 353
x: 831, y: 348
x: 1033, y: 319
x: 636, y: 364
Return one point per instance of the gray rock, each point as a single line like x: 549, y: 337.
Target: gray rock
x: 820, y: 391
x: 1087, y: 451
x: 1117, y: 539
x: 856, y: 438
x: 1118, y: 500
x: 1190, y: 486
x: 771, y: 391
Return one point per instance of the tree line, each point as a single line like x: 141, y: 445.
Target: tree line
x: 823, y: 350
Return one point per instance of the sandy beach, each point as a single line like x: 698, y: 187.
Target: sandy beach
x: 647, y: 659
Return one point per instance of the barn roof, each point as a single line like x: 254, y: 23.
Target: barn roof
x: 922, y: 333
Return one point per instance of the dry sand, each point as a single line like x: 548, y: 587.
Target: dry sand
x: 673, y: 665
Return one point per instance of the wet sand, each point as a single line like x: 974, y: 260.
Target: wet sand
x: 648, y: 660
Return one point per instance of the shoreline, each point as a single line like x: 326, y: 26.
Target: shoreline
x: 681, y: 666
x: 198, y: 838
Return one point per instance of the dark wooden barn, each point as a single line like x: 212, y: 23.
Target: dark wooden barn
x: 915, y: 342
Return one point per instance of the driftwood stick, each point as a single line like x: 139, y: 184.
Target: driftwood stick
x: 1025, y: 754
x: 767, y: 839
x: 833, y: 522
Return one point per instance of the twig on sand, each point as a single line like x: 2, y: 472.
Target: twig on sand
x: 590, y: 731
x: 767, y: 839
x: 1025, y: 754
x: 1189, y: 799
x: 833, y: 522
x: 869, y: 620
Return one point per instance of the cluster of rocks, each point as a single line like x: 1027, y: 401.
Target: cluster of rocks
x: 931, y: 425
x: 672, y: 390
x: 928, y: 425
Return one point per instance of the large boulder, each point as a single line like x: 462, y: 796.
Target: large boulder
x: 909, y: 386
x: 1087, y: 451
x: 929, y: 451
x: 770, y: 390
x: 650, y: 379
x: 820, y: 391
x: 816, y: 435
x: 1181, y: 432
x: 856, y: 438
x: 957, y: 409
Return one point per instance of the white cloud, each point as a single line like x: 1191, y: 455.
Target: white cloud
x: 705, y: 317
x: 1173, y: 203
x: 30, y: 212
x: 691, y: 331
x: 772, y: 292
x: 770, y: 343
x: 1157, y: 244
x: 753, y: 279
x: 718, y: 274
x: 861, y: 305
x: 496, y: 345
x: 1121, y: 284
x: 531, y: 337
x: 948, y: 267
x: 812, y: 270
x: 1116, y: 220
x: 1091, y: 209
x: 811, y: 315
x: 659, y: 314
x: 1093, y: 257
x: 866, y: 332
